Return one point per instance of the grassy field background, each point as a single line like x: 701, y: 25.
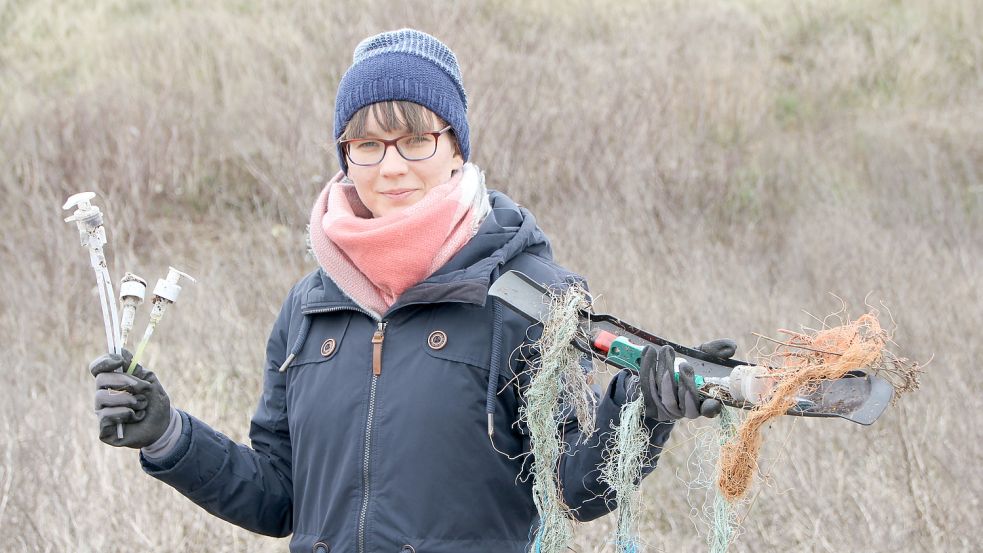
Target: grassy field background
x: 715, y: 168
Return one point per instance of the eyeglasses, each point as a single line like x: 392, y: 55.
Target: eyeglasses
x: 371, y: 151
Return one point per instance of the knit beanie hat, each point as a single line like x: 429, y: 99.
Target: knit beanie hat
x: 403, y: 65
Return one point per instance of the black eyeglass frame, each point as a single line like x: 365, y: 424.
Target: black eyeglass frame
x: 346, y: 145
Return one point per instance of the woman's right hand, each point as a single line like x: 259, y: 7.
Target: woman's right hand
x: 138, y: 401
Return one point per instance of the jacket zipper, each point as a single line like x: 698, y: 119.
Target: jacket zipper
x: 377, y: 340
x: 321, y: 310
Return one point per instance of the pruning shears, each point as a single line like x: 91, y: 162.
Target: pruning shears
x: 858, y: 396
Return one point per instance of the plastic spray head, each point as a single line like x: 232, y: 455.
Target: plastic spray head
x: 87, y: 217
x: 166, y: 292
x: 168, y: 288
x: 83, y: 205
x: 132, y: 290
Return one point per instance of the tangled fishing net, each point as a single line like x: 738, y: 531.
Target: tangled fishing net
x: 724, y: 517
x: 626, y: 452
x: 797, y: 366
x: 558, y: 387
x: 709, y: 511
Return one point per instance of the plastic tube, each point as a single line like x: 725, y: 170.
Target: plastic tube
x: 132, y: 290
x: 750, y: 383
x: 166, y: 292
x: 92, y: 235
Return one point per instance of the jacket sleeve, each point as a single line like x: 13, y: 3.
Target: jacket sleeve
x: 247, y: 486
x: 583, y: 492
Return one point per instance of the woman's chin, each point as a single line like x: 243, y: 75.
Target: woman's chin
x: 389, y: 204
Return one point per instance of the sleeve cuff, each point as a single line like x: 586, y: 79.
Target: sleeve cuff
x: 618, y: 392
x: 618, y: 389
x: 172, y: 445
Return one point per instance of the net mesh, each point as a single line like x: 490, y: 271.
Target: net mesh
x: 558, y: 387
x: 626, y: 453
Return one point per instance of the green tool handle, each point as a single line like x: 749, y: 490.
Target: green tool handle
x: 628, y: 355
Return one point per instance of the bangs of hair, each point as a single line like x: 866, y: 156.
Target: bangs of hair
x: 394, y: 115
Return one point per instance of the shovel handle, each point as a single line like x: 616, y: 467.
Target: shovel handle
x: 621, y: 352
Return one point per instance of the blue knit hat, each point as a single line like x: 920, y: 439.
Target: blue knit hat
x: 403, y: 65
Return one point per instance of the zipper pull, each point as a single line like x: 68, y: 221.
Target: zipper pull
x: 377, y: 339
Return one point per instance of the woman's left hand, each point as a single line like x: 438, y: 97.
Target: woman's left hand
x: 668, y: 397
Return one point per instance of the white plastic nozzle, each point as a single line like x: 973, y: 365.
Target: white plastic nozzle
x: 132, y: 287
x: 80, y: 200
x: 132, y: 290
x: 751, y: 383
x: 168, y: 288
x: 87, y: 218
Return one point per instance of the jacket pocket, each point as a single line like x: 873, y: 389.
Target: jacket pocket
x: 325, y: 339
x: 317, y: 369
x: 460, y: 334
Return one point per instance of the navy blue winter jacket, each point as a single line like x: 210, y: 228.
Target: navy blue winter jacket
x: 348, y: 460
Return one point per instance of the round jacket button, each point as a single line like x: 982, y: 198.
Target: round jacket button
x: 407, y: 549
x: 327, y: 348
x: 321, y: 547
x: 437, y: 340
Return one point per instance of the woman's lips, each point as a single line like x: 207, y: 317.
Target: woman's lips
x: 398, y: 194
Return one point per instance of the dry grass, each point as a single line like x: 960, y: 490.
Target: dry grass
x: 712, y: 167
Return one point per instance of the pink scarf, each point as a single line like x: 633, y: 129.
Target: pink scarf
x: 374, y: 260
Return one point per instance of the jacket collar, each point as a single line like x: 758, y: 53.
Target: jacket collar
x: 507, y: 231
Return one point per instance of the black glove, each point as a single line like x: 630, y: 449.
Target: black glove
x: 138, y: 401
x: 669, y: 399
x: 724, y: 349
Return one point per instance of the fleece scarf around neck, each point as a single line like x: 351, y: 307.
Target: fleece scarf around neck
x: 374, y: 260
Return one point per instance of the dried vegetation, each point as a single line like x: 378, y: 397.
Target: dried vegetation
x: 711, y: 167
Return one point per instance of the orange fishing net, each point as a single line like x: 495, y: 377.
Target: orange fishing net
x: 799, y: 364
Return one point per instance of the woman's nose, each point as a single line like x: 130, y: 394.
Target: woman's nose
x: 392, y: 163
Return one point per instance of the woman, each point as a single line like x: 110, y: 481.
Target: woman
x: 388, y: 368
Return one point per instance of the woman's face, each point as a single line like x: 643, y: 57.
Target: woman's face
x: 395, y: 183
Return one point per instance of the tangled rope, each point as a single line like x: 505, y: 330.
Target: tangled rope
x: 802, y: 362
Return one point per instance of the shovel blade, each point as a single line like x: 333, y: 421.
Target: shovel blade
x: 857, y: 397
x: 523, y: 295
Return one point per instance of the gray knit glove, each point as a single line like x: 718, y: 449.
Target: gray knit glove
x: 138, y: 401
